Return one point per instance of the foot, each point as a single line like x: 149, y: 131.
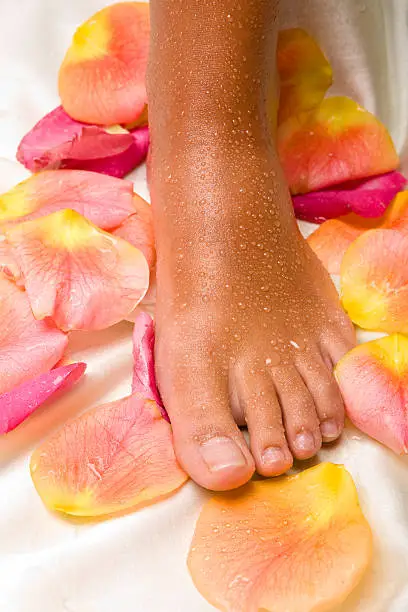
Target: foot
x: 248, y: 323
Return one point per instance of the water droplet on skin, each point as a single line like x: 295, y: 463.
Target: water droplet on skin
x: 204, y: 298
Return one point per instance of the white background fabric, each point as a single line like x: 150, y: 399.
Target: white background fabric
x: 137, y: 563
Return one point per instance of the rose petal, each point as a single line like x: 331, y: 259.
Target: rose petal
x: 373, y: 379
x: 102, y: 77
x: 304, y: 72
x: 80, y: 276
x: 119, y: 165
x: 295, y: 544
x: 144, y: 377
x: 103, y: 200
x: 148, y: 304
x: 18, y: 404
x: 338, y: 142
x: 57, y: 138
x: 367, y: 198
x: 374, y: 281
x: 396, y: 216
x: 129, y: 460
x: 28, y: 347
x: 332, y: 239
x: 8, y: 264
x: 138, y: 230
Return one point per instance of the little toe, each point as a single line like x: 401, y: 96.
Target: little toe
x: 264, y: 419
x: 207, y: 441
x: 326, y: 395
x: 299, y: 412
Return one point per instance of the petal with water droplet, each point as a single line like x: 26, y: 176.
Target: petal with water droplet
x: 299, y: 543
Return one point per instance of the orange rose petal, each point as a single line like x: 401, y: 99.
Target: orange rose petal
x: 28, y: 347
x: 102, y: 77
x: 298, y: 544
x: 82, y: 277
x: 374, y: 281
x: 104, y: 200
x: 148, y: 304
x: 304, y: 72
x: 396, y: 215
x: 113, y: 458
x: 373, y: 379
x: 332, y: 239
x: 338, y: 142
x: 141, y: 121
x: 138, y: 229
x: 8, y: 263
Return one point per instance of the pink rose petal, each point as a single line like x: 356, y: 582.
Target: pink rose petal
x: 28, y: 347
x: 18, y: 404
x: 121, y: 164
x: 144, y: 378
x: 367, y: 198
x: 57, y: 138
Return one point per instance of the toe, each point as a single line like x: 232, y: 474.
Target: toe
x: 326, y: 395
x: 337, y: 341
x: 263, y: 416
x: 299, y: 412
x: 207, y: 441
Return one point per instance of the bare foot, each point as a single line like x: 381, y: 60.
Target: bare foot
x: 248, y: 323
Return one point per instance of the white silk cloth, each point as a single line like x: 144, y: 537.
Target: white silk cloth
x: 137, y: 563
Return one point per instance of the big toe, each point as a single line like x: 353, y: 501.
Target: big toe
x: 208, y: 443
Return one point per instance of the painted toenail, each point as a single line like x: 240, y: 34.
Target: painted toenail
x: 305, y: 441
x: 329, y: 429
x: 222, y: 453
x: 272, y: 455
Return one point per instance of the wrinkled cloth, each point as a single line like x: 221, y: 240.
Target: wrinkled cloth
x: 137, y: 563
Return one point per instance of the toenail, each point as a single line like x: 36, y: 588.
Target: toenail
x: 222, y: 453
x: 305, y: 441
x: 272, y: 455
x: 329, y: 429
